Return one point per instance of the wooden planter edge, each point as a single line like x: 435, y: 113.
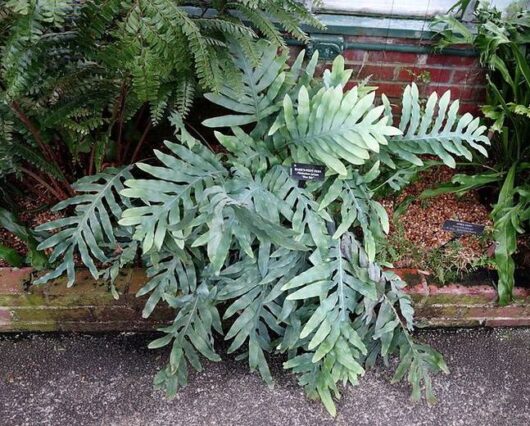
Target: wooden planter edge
x: 89, y: 306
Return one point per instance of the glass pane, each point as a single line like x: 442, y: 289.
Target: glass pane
x: 396, y: 7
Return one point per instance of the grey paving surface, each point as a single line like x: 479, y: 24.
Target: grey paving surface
x: 106, y: 380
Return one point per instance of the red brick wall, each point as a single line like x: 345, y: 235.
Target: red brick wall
x: 391, y: 71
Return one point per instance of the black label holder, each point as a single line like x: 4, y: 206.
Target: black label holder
x: 460, y: 228
x: 303, y: 172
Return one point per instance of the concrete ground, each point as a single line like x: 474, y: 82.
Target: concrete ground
x: 107, y: 380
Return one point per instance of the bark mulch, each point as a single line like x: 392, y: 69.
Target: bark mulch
x: 421, y: 222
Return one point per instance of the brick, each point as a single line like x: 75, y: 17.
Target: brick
x: 12, y: 280
x: 395, y: 104
x: 136, y: 282
x: 455, y: 294
x: 88, y: 306
x: 413, y: 74
x: 123, y: 313
x: 30, y: 326
x: 476, y: 93
x: 5, y: 316
x: 442, y: 311
x: 447, y: 306
x: 52, y: 313
x: 378, y: 72
x: 350, y: 85
x: 507, y: 322
x: 22, y: 299
x: 294, y: 51
x: 473, y: 76
x: 386, y: 40
x: 521, y: 295
x: 448, y: 322
x: 414, y: 278
x: 440, y: 75
x: 389, y: 56
x: 90, y: 326
x: 495, y: 311
x: 321, y: 67
x: 463, y: 93
x: 391, y: 90
x: 452, y: 60
x: 472, y: 108
x: 354, y: 55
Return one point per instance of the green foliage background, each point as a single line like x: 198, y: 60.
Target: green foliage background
x: 83, y: 82
x: 502, y: 40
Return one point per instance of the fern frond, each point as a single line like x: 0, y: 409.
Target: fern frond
x: 331, y: 126
x: 436, y: 130
x: 170, y: 196
x: 287, y: 20
x: 231, y: 28
x: 254, y: 297
x: 253, y: 154
x: 184, y: 97
x: 170, y: 272
x: 198, y: 46
x: 257, y: 18
x: 357, y: 208
x: 91, y: 231
x: 295, y: 264
x: 261, y: 84
x: 7, y: 158
x: 303, y: 211
x: 334, y: 347
x: 190, y: 335
x: 22, y: 153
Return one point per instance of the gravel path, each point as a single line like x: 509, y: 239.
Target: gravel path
x: 107, y: 380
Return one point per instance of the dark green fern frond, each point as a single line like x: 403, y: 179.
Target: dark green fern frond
x: 261, y: 22
x: 184, y: 97
x: 287, y: 20
x: 226, y: 27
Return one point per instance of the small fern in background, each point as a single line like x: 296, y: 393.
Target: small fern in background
x: 294, y: 268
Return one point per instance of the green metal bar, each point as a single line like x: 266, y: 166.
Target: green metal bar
x: 408, y: 48
x: 404, y: 48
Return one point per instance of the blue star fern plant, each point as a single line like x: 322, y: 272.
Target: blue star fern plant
x: 293, y: 268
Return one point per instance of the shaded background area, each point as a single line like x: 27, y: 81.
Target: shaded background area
x: 107, y: 379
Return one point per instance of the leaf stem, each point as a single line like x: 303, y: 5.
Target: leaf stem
x: 35, y: 132
x: 403, y: 327
x: 141, y: 142
x: 54, y: 191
